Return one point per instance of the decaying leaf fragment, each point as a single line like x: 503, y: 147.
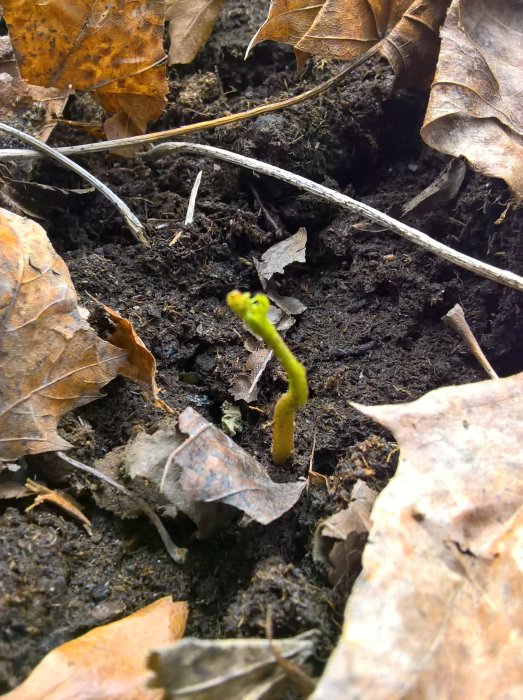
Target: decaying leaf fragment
x: 339, y: 540
x: 190, y: 25
x: 405, y: 31
x: 140, y: 365
x: 438, y: 609
x: 114, y: 50
x: 31, y: 108
x: 109, y: 662
x: 52, y: 361
x: 207, y: 476
x: 475, y: 108
x: 208, y: 669
x: 283, y: 253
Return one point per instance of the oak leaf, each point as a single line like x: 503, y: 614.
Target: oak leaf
x: 114, y: 50
x: 109, y: 662
x: 190, y: 25
x: 52, y: 361
x: 404, y: 31
x: 438, y: 609
x: 475, y: 108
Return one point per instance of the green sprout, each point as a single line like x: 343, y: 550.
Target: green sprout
x: 253, y: 310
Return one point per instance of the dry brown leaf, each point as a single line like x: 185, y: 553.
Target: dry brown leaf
x: 190, y: 25
x: 339, y: 540
x: 109, y: 662
x: 52, y: 360
x: 441, y: 192
x: 406, y: 31
x: 475, y: 108
x: 140, y: 365
x: 217, y: 470
x: 114, y: 50
x: 240, y: 669
x: 438, y: 609
x: 207, y: 475
x: 30, y: 108
x: 12, y: 481
x: 283, y: 253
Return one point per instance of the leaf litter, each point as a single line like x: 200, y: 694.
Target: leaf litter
x: 475, y: 107
x: 206, y: 476
x: 109, y: 662
x: 64, y: 364
x: 228, y: 668
x: 114, y: 51
x: 437, y: 607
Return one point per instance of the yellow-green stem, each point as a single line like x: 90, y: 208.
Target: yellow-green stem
x: 253, y: 310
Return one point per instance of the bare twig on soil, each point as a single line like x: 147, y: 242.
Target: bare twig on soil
x: 177, y: 554
x: 189, y: 218
x: 18, y: 154
x: 131, y: 220
x: 455, y: 319
x: 509, y: 279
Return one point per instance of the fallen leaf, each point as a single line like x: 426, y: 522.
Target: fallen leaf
x: 281, y: 254
x: 441, y: 192
x: 244, y: 386
x: 113, y: 50
x: 109, y: 662
x: 438, y: 609
x: 190, y: 25
x: 36, y: 200
x: 206, y: 476
x: 140, y: 365
x: 34, y: 110
x: 289, y: 305
x: 52, y: 360
x: 209, y: 669
x: 216, y: 469
x: 12, y: 481
x: 339, y: 540
x: 404, y: 31
x: 66, y: 503
x: 475, y: 101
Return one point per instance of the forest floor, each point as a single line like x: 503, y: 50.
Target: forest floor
x: 371, y: 333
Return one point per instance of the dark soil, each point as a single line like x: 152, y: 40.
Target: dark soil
x: 371, y: 333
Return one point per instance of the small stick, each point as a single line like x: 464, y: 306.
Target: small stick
x: 18, y: 154
x: 131, y: 220
x: 189, y: 218
x: 177, y: 554
x: 455, y: 319
x: 509, y: 279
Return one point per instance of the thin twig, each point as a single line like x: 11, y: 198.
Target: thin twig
x: 18, y: 154
x: 177, y: 554
x: 509, y: 279
x: 131, y: 220
x: 455, y: 319
x: 189, y: 217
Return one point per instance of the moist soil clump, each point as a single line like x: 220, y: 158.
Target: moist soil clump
x: 371, y: 333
